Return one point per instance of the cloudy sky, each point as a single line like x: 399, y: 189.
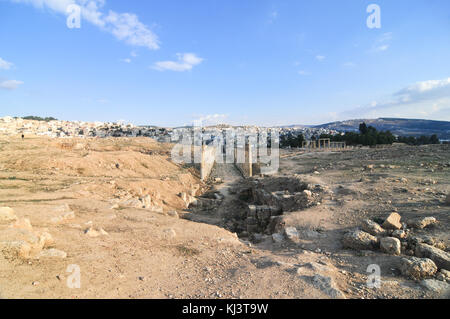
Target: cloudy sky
x: 170, y: 62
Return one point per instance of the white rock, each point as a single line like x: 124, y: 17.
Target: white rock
x: 52, y: 253
x: 390, y: 245
x: 7, y: 214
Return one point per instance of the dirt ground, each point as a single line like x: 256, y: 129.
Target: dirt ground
x: 139, y: 252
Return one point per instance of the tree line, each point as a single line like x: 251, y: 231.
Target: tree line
x: 367, y: 136
x: 38, y: 118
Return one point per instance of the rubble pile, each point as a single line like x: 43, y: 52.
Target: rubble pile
x: 422, y: 257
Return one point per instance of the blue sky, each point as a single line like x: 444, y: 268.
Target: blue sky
x: 169, y: 62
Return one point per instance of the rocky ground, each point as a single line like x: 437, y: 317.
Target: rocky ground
x: 138, y: 226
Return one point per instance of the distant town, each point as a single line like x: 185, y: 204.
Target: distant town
x: 290, y: 136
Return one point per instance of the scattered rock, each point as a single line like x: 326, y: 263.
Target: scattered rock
x: 359, y: 240
x: 400, y: 234
x: 437, y: 286
x: 417, y: 268
x: 7, y: 214
x: 35, y: 243
x: 422, y: 222
x: 372, y: 228
x: 440, y: 257
x: 46, y: 239
x: 291, y: 234
x: 443, y: 275
x: 23, y: 223
x: 52, y: 253
x: 327, y: 285
x: 277, y: 238
x: 429, y: 240
x: 92, y: 232
x: 307, y: 192
x: 15, y: 249
x: 312, y: 234
x: 393, y: 222
x: 390, y: 245
x: 62, y: 218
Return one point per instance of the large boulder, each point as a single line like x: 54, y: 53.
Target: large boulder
x: 390, y: 245
x: 417, y: 268
x: 372, y: 228
x: 359, y: 240
x: 440, y: 257
x: 393, y: 222
x: 7, y: 214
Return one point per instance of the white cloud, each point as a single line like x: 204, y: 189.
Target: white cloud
x: 382, y: 43
x: 303, y: 72
x: 383, y: 47
x: 127, y: 60
x: 5, y: 65
x: 429, y: 99
x: 320, y: 57
x: 10, y: 84
x: 210, y: 119
x: 124, y: 26
x: 425, y: 86
x: 186, y: 61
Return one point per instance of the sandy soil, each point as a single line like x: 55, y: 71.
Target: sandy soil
x: 152, y: 254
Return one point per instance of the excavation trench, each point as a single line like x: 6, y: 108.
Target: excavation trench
x: 254, y: 206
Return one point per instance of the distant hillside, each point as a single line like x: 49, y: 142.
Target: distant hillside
x: 402, y: 127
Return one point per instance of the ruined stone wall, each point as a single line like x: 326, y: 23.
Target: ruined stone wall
x: 207, y: 161
x: 244, y: 163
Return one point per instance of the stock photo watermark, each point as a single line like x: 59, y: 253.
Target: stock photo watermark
x: 74, y: 279
x: 74, y: 16
x: 374, y: 19
x: 374, y: 278
x: 203, y: 146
